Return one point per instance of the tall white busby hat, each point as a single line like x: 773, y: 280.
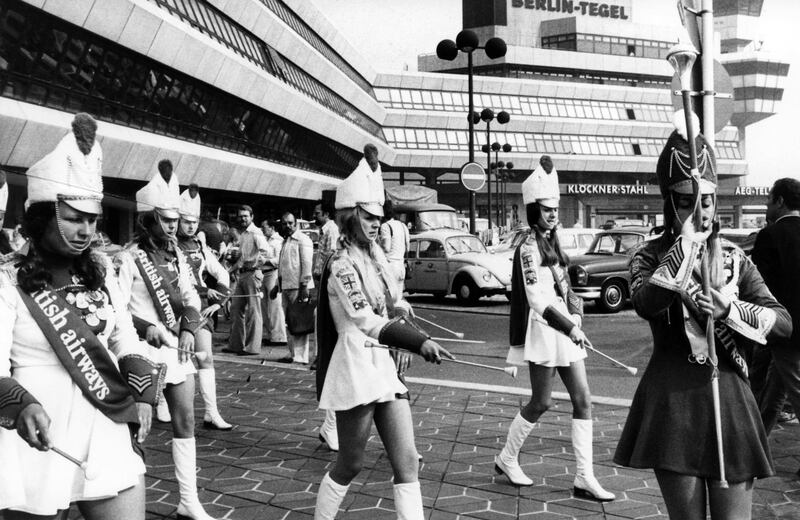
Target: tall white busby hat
x: 542, y: 185
x: 71, y: 173
x: 190, y: 207
x: 674, y: 169
x: 161, y: 195
x: 363, y: 188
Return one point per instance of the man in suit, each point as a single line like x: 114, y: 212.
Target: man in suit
x: 294, y: 279
x: 776, y: 253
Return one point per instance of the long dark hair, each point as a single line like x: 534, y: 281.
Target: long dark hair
x: 549, y: 248
x: 143, y: 234
x: 33, y: 272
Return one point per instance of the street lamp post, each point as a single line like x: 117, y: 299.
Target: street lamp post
x: 502, y: 173
x: 502, y: 117
x: 467, y: 42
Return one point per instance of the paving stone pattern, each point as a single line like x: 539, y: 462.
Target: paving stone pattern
x: 270, y: 465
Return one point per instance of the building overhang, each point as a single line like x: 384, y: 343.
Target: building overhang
x: 30, y: 131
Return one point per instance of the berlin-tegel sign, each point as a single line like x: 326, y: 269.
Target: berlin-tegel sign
x: 473, y: 176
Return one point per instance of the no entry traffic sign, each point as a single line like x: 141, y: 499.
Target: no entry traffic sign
x: 473, y: 176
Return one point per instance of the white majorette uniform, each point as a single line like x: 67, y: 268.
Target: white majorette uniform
x: 360, y: 301
x: 94, y: 428
x: 548, y: 300
x: 167, y: 299
x: 199, y: 257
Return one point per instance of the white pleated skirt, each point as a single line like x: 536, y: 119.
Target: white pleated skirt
x: 358, y: 375
x: 42, y: 483
x: 545, y: 346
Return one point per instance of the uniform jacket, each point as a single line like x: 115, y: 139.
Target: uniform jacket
x: 527, y: 261
x: 137, y: 298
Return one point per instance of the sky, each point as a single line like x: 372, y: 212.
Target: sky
x: 390, y: 34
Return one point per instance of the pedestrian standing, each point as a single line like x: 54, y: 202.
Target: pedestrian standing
x: 157, y: 287
x: 60, y: 312
x: 328, y: 236
x: 671, y: 425
x: 546, y: 318
x: 776, y: 253
x: 358, y: 301
x: 203, y: 263
x: 394, y: 239
x: 246, y: 321
x: 272, y: 309
x: 294, y: 280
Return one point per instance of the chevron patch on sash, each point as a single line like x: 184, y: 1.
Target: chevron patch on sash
x: 749, y: 313
x: 674, y: 259
x: 140, y: 383
x: 13, y: 397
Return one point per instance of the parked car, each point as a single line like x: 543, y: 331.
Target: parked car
x: 623, y: 222
x: 601, y: 274
x: 443, y: 262
x: 574, y: 241
x: 745, y: 238
x: 426, y: 216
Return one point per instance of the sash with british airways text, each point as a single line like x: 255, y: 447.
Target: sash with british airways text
x: 82, y: 355
x: 165, y: 298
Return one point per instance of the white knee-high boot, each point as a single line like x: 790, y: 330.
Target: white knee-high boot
x: 408, y: 501
x: 508, y: 460
x: 586, y: 485
x: 208, y: 389
x: 328, y: 433
x: 329, y: 498
x: 184, y: 456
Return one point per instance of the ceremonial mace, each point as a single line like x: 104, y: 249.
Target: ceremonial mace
x: 682, y: 57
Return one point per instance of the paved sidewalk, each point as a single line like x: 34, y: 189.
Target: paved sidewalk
x: 270, y: 465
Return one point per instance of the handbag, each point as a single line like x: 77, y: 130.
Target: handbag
x: 300, y: 317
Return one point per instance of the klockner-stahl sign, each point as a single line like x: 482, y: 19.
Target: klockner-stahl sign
x: 646, y: 189
x: 598, y: 9
x: 607, y: 189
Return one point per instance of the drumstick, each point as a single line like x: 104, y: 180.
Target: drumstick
x: 512, y: 371
x: 87, y: 471
x: 459, y: 335
x: 201, y: 356
x: 451, y: 340
x: 631, y: 370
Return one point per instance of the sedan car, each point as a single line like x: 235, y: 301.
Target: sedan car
x: 443, y: 262
x: 574, y: 241
x: 601, y: 274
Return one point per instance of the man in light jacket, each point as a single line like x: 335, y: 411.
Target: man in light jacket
x: 294, y: 279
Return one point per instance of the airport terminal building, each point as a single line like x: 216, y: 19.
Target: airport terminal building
x: 265, y: 102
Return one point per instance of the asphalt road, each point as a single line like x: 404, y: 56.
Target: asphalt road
x: 623, y: 336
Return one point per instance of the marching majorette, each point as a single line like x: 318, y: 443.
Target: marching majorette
x: 546, y: 335
x: 671, y: 423
x: 159, y: 289
x: 73, y: 372
x: 359, y: 300
x: 203, y: 262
